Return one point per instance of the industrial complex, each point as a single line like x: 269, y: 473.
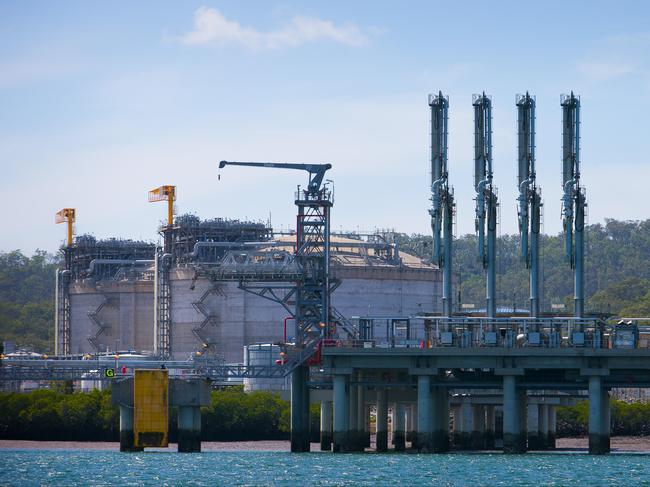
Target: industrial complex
x: 346, y: 320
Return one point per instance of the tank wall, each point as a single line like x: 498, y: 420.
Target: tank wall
x: 240, y: 318
x: 127, y: 315
x: 234, y: 318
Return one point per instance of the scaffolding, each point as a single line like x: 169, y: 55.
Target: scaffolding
x: 107, y: 259
x: 191, y: 237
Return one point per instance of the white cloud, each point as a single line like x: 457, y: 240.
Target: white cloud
x: 211, y: 27
x: 604, y: 71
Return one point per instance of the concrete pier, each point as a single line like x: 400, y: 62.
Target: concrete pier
x: 341, y: 413
x: 533, y: 427
x: 411, y: 423
x: 189, y: 429
x: 599, y: 417
x: 382, y: 421
x: 354, y: 433
x: 187, y: 395
x: 425, y: 427
x: 299, y: 410
x: 478, y: 427
x: 543, y: 426
x: 463, y: 416
x: 514, y: 404
x: 127, y: 439
x: 399, y: 426
x: 363, y: 426
x: 490, y: 427
x: 552, y: 424
x: 440, y: 419
x: 326, y: 425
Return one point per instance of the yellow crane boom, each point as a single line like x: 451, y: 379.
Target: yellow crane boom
x: 165, y: 193
x: 66, y: 215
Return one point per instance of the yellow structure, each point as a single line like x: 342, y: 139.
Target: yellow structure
x: 66, y: 215
x: 165, y: 193
x: 151, y: 408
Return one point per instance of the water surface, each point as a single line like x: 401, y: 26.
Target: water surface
x: 77, y: 467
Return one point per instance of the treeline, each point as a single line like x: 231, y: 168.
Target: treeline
x: 55, y: 415
x: 617, y: 278
x: 27, y: 287
x: 628, y: 419
x: 232, y: 416
x: 617, y: 269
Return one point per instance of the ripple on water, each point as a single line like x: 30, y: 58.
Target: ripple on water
x: 57, y: 467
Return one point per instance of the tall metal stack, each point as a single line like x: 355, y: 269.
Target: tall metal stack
x: 442, y: 197
x: 573, y: 200
x: 530, y: 200
x: 486, y: 197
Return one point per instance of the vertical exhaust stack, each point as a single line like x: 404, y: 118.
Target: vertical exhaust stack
x: 442, y: 197
x: 573, y: 200
x: 530, y: 201
x: 486, y: 197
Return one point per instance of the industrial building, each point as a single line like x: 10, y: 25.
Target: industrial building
x: 357, y: 324
x: 111, y: 289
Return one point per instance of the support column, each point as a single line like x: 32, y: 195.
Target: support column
x: 598, y: 417
x: 382, y: 420
x: 534, y: 427
x: 362, y: 417
x: 478, y: 427
x: 399, y: 427
x: 514, y: 435
x: 127, y: 440
x: 326, y: 425
x: 490, y: 427
x: 425, y: 431
x: 463, y: 425
x: 299, y: 410
x: 354, y: 437
x: 552, y: 424
x: 412, y: 425
x: 440, y: 420
x: 341, y: 413
x: 543, y: 426
x: 189, y: 429
x: 606, y: 420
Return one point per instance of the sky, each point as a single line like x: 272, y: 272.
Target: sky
x: 103, y: 101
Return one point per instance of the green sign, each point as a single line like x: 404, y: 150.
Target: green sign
x: 109, y: 373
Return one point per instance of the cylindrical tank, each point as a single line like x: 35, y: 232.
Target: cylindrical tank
x: 264, y: 355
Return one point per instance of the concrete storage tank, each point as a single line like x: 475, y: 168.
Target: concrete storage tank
x: 110, y: 295
x: 376, y: 280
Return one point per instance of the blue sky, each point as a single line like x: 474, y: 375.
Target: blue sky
x: 102, y: 101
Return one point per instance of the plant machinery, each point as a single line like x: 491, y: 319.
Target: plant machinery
x: 63, y: 276
x: 486, y: 196
x: 163, y: 262
x: 313, y: 319
x: 573, y: 199
x: 529, y: 200
x: 442, y: 197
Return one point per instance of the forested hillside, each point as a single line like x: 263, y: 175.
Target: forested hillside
x: 617, y: 278
x: 617, y: 269
x: 27, y: 299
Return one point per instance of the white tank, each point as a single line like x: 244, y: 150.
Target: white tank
x: 264, y: 354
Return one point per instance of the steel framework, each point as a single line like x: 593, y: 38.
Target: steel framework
x: 573, y: 201
x: 530, y: 200
x: 442, y: 197
x: 486, y: 196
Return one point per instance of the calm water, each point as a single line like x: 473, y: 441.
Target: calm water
x: 72, y: 467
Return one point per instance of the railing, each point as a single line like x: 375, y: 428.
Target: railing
x: 479, y: 332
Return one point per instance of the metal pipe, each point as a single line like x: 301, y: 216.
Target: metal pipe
x: 122, y: 262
